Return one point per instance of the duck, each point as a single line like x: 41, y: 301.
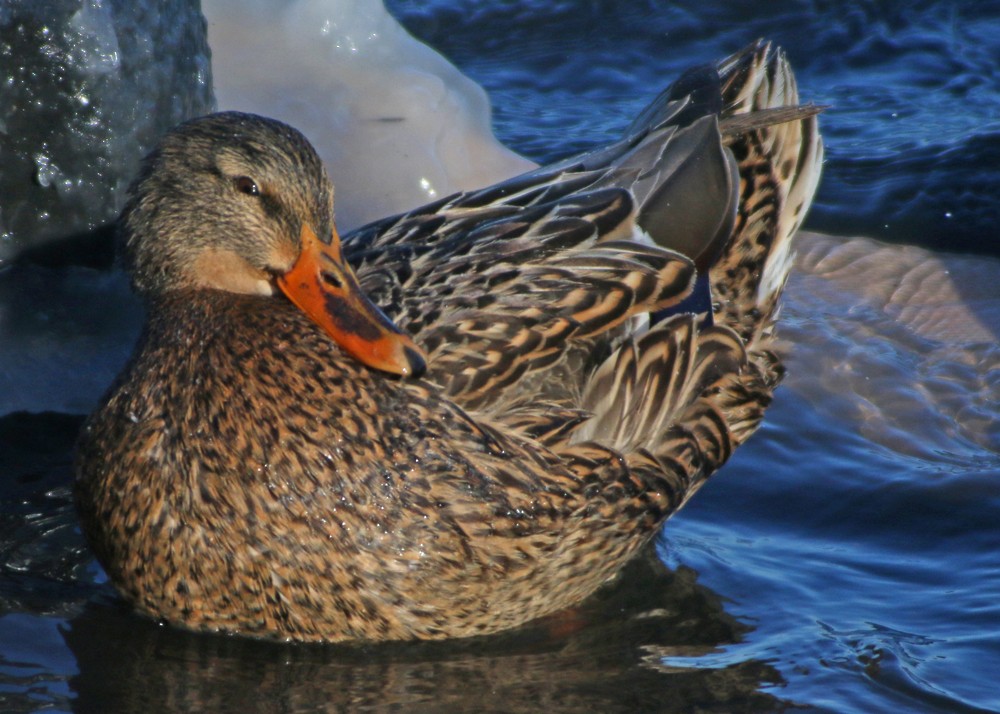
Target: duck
x: 454, y: 421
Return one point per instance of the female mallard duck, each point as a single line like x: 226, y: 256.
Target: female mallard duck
x: 462, y: 418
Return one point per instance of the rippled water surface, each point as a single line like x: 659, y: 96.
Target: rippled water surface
x: 913, y: 133
x: 847, y: 559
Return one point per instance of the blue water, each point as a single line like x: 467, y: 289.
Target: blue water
x: 913, y: 130
x: 847, y: 559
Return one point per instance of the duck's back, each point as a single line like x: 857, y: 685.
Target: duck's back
x: 520, y: 291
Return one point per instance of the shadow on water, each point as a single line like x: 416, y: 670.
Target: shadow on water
x: 616, y: 652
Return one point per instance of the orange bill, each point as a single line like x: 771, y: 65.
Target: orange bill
x: 323, y: 286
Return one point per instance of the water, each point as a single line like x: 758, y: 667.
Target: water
x: 913, y: 130
x: 845, y: 559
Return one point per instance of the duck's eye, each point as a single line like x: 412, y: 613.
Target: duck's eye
x: 245, y: 184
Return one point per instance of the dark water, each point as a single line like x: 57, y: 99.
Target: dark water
x: 847, y: 559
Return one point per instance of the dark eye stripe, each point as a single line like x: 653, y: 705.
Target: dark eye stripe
x: 272, y: 207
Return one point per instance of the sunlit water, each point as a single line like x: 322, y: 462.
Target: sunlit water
x: 913, y: 132
x: 846, y: 559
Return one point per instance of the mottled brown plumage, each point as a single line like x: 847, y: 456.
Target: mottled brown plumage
x: 247, y: 474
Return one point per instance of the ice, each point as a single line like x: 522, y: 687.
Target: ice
x: 86, y: 87
x: 397, y: 124
x: 98, y: 52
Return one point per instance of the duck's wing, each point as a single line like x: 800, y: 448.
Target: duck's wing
x: 552, y: 269
x: 779, y: 165
x: 519, y: 291
x: 523, y: 289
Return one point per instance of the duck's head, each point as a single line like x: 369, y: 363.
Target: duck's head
x: 241, y: 203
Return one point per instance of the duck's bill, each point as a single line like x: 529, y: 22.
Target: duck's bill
x: 323, y: 286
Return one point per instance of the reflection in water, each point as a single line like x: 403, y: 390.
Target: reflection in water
x: 903, y: 342
x: 605, y: 656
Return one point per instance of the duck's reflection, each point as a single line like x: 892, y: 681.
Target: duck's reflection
x: 605, y: 656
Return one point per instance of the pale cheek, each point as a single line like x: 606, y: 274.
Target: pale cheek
x: 225, y: 270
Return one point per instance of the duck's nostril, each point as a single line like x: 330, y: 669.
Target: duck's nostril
x: 332, y: 279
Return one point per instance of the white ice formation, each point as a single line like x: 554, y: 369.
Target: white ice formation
x: 396, y: 123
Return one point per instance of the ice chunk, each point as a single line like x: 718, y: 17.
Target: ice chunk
x: 86, y: 88
x: 397, y: 124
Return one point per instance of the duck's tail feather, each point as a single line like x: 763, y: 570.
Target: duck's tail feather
x: 685, y: 394
x: 723, y: 165
x: 779, y: 154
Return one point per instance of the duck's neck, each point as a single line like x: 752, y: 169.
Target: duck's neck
x: 240, y: 368
x: 209, y: 342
